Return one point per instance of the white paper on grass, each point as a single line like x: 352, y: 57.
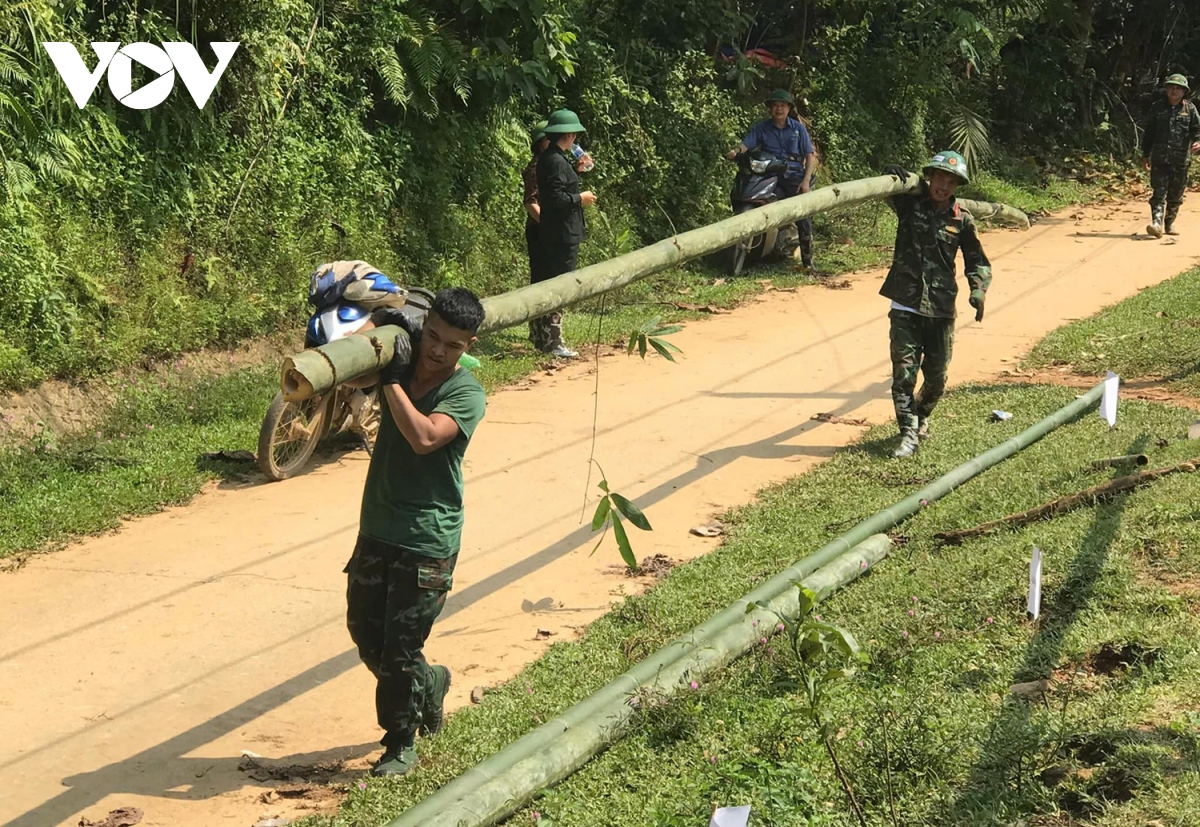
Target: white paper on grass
x: 730, y: 817
x: 1035, y: 584
x: 1108, y: 402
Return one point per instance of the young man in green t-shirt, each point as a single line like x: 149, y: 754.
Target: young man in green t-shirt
x: 410, y: 528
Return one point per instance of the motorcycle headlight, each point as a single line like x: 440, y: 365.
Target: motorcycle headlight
x: 759, y: 165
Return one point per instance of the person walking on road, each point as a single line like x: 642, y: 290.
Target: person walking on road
x: 562, y: 227
x: 410, y: 526
x: 786, y: 138
x: 1171, y: 137
x: 921, y: 284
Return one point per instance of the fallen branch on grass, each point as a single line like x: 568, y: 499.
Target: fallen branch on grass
x: 1080, y: 499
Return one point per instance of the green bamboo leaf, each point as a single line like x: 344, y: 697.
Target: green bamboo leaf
x: 633, y: 340
x: 642, y: 345
x: 623, y: 542
x: 666, y: 331
x: 662, y: 351
x: 603, y: 485
x: 601, y: 514
x: 631, y: 512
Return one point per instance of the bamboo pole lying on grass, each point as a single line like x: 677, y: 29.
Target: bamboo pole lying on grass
x: 320, y: 369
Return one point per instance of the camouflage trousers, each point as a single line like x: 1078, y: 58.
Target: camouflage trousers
x: 1169, y: 181
x: 392, y: 598
x: 918, y: 343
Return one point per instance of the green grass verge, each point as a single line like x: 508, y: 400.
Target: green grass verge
x: 1155, y: 334
x: 51, y: 492
x: 946, y: 634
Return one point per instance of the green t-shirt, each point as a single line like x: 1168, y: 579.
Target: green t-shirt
x: 412, y: 500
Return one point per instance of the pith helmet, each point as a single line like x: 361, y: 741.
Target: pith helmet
x: 780, y: 95
x: 1177, y: 80
x: 951, y: 162
x: 538, y: 132
x: 562, y: 122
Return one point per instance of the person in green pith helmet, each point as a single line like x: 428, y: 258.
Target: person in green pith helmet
x: 921, y: 284
x: 562, y: 227
x: 1171, y: 137
x: 786, y: 138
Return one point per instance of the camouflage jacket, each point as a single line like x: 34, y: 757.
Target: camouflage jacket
x: 1170, y: 132
x: 927, y: 241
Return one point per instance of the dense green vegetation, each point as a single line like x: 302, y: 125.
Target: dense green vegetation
x: 395, y: 131
x: 1116, y: 739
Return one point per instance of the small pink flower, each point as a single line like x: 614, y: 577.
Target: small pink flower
x: 770, y: 651
x: 864, y: 564
x: 911, y: 613
x: 536, y: 816
x: 712, y: 760
x: 99, y: 435
x: 779, y: 627
x: 860, y: 744
x: 937, y: 634
x: 818, y: 617
x: 915, y: 599
x: 529, y: 690
x: 755, y: 623
x: 764, y: 640
x: 904, y: 633
x: 694, y: 685
x: 362, y: 785
x: 149, y: 427
x: 989, y: 620
x: 924, y: 502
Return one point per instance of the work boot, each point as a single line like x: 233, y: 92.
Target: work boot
x: 922, y: 428
x: 395, y: 761
x: 909, y: 444
x: 433, y: 714
x: 564, y: 352
x: 1154, y: 228
x: 1169, y: 228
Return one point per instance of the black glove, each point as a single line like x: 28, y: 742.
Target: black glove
x: 977, y: 302
x: 393, y: 372
x: 410, y: 320
x: 899, y: 171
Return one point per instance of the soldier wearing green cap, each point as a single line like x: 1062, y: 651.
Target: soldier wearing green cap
x: 787, y: 138
x: 921, y: 284
x: 562, y: 227
x: 1171, y: 136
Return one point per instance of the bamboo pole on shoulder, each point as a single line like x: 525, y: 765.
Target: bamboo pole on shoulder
x: 320, y: 369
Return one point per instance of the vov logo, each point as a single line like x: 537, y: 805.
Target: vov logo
x: 118, y: 61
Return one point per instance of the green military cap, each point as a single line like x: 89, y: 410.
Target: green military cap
x: 538, y: 132
x: 1177, y: 80
x: 563, y: 121
x: 951, y: 162
x: 780, y: 95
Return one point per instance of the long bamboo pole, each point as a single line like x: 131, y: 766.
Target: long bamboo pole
x: 320, y: 369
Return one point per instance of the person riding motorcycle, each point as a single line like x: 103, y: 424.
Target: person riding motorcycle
x: 786, y: 138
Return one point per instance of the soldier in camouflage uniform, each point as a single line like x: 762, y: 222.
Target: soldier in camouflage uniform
x: 922, y: 287
x: 410, y: 527
x: 1171, y: 136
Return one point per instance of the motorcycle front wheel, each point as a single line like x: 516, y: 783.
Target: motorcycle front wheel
x: 289, y: 434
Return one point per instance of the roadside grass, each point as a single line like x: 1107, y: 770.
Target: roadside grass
x: 1114, y: 744
x: 1155, y: 334
x: 54, y: 489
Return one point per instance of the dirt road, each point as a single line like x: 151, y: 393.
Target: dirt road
x: 135, y: 668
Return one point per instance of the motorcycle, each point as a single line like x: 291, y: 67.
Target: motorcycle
x: 756, y: 185
x: 345, y: 295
